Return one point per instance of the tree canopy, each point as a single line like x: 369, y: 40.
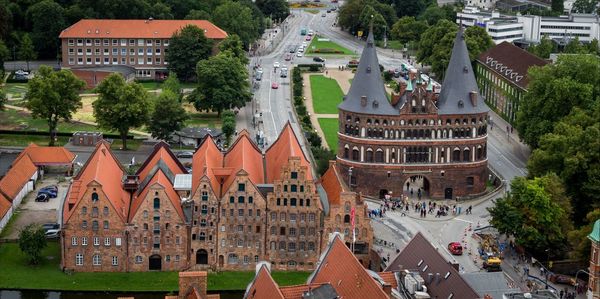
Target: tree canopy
x: 186, y: 47
x: 32, y: 240
x: 544, y: 48
x: 233, y: 44
x: 48, y: 20
x: 553, y: 91
x: 536, y: 212
x: 167, y: 116
x: 53, y: 96
x: 276, y: 9
x: 26, y: 51
x: 237, y: 18
x: 121, y: 106
x: 434, y: 13
x: 408, y: 29
x: 3, y: 99
x: 228, y: 119
x: 585, y: 6
x: 222, y: 84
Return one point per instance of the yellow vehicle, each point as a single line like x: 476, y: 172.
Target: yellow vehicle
x: 493, y: 264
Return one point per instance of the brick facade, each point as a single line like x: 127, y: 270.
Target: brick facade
x: 205, y: 225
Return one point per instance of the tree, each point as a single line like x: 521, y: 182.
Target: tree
x: 584, y: 6
x: 120, y: 105
x: 407, y: 29
x: 5, y: 20
x: 3, y: 99
x: 173, y: 85
x: 544, y: 48
x: 431, y: 37
x: 160, y: 11
x: 26, y: 51
x: 571, y: 151
x: 348, y: 16
x: 276, y: 9
x: 53, y: 96
x: 553, y: 91
x: 47, y: 19
x: 4, y: 54
x: 234, y: 45
x: 167, y: 117
x: 411, y: 8
x: 579, y: 240
x: 197, y: 15
x: 32, y: 240
x: 435, y: 13
x: 575, y: 47
x: 236, y: 18
x: 222, y: 84
x: 558, y: 6
x: 536, y: 212
x: 186, y: 48
x: 228, y: 119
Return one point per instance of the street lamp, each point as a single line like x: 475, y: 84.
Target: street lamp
x: 577, y: 274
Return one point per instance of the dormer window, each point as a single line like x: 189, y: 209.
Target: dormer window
x: 368, y: 69
x: 465, y: 69
x: 519, y: 78
x: 461, y: 104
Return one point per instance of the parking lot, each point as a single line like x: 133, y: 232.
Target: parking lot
x: 31, y: 211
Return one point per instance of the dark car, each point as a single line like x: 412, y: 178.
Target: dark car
x: 318, y: 59
x: 51, y: 187
x: 43, y: 197
x: 185, y: 155
x: 51, y: 193
x: 49, y: 226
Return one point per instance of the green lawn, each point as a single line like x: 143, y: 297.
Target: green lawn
x: 151, y: 85
x: 329, y: 126
x: 12, y: 119
x: 24, y: 140
x: 326, y: 94
x: 312, y: 11
x: 326, y: 47
x: 16, y: 89
x: 15, y: 274
x: 203, y: 119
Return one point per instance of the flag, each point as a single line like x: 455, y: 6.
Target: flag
x: 353, y: 225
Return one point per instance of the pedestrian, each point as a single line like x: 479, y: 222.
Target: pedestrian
x: 511, y: 129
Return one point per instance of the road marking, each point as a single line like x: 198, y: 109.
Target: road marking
x: 269, y: 101
x: 467, y: 221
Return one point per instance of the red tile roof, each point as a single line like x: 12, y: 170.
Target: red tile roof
x: 389, y: 278
x: 263, y: 286
x: 48, y: 155
x: 17, y: 176
x: 419, y: 251
x: 296, y: 292
x: 5, y: 205
x: 244, y: 154
x: 286, y: 146
x: 346, y: 274
x: 207, y: 160
x: 161, y: 152
x: 161, y: 179
x: 333, y: 185
x: 94, y: 28
x: 104, y: 168
x: 510, y: 62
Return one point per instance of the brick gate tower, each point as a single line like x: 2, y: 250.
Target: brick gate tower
x: 437, y: 140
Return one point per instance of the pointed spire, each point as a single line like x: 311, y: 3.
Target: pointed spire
x: 429, y: 85
x: 459, y: 82
x: 367, y: 86
x: 409, y: 86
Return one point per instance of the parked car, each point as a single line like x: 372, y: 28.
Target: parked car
x: 275, y: 85
x: 299, y: 54
x: 43, y: 197
x: 185, y: 155
x: 318, y: 59
x: 51, y: 187
x: 284, y: 72
x: 455, y: 248
x: 288, y: 57
x: 323, y: 15
x: 276, y: 64
x: 308, y: 38
x: 258, y: 76
x: 53, y: 234
x: 49, y: 226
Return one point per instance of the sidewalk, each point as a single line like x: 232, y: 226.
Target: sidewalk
x: 498, y: 127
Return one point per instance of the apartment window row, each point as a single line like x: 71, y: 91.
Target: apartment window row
x: 292, y: 246
x: 116, y: 61
x: 292, y: 231
x: 117, y: 42
x: 96, y: 260
x: 563, y: 27
x: 116, y: 51
x: 293, y: 217
x: 83, y: 241
x: 293, y: 202
x: 139, y: 259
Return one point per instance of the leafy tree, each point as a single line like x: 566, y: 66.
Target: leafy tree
x: 161, y: 12
x: 167, y: 117
x: 544, y: 48
x: 348, y: 16
x: 431, y: 37
x: 4, y: 54
x: 173, y: 85
x: 233, y: 44
x: 228, y: 119
x: 182, y: 8
x: 236, y: 18
x: 578, y: 238
x: 48, y: 20
x: 197, y: 15
x: 407, y: 29
x: 53, y: 96
x: 5, y: 20
x: 558, y: 6
x: 575, y: 47
x: 592, y: 47
x: 26, y: 51
x: 222, y: 84
x: 386, y: 11
x: 32, y: 240
x: 120, y: 105
x: 571, y: 151
x: 536, y: 212
x: 435, y: 13
x: 584, y: 6
x: 553, y: 91
x: 411, y: 8
x: 186, y: 48
x: 276, y: 9
x: 3, y: 99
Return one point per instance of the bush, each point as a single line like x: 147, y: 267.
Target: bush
x: 301, y: 110
x: 387, y: 76
x: 313, y: 138
x: 328, y: 51
x: 322, y: 157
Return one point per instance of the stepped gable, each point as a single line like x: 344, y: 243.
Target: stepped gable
x: 244, y: 155
x: 420, y: 254
x: 286, y: 146
x: 263, y: 286
x: 47, y: 155
x: 339, y: 267
x: 19, y: 173
x: 104, y: 168
x: 160, y: 178
x: 368, y: 83
x: 207, y: 159
x: 333, y: 184
x: 459, y: 82
x: 163, y: 153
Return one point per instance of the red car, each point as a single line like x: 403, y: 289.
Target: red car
x: 288, y: 57
x: 275, y: 85
x: 308, y: 37
x: 455, y: 248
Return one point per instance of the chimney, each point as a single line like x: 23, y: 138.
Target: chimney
x: 191, y: 279
x: 429, y: 278
x: 473, y: 98
x: 438, y: 279
x: 363, y: 101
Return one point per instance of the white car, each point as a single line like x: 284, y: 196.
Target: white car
x: 299, y: 54
x: 304, y: 44
x: 276, y: 64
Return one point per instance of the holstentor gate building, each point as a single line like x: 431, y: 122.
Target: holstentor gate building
x: 439, y: 137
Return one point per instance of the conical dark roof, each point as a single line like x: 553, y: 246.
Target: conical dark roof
x: 459, y: 83
x: 368, y: 83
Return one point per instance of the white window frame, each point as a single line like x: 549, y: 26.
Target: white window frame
x: 138, y: 259
x: 140, y: 42
x: 157, y: 42
x: 79, y: 259
x: 80, y: 60
x: 74, y: 241
x: 105, y: 51
x: 140, y: 61
x: 71, y: 61
x: 96, y: 42
x: 107, y: 241
x: 105, y: 42
x: 115, y: 42
x: 71, y: 51
x: 80, y: 42
x: 71, y: 42
x: 80, y: 51
x: 88, y: 41
x: 96, y: 260
x: 97, y: 61
x: 96, y: 241
x: 115, y: 260
x: 149, y: 51
x: 132, y: 42
x: 123, y: 42
x: 83, y: 241
x: 88, y: 51
x: 117, y: 241
x: 106, y: 60
x: 157, y: 51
